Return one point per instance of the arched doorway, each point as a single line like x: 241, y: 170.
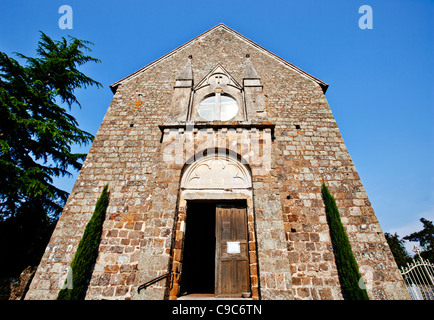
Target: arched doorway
x: 215, y: 246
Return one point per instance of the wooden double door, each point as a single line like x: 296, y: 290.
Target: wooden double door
x: 216, y: 249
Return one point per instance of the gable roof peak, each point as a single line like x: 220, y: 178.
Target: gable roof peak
x: 219, y: 26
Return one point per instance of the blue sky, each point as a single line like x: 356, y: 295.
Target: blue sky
x: 381, y: 80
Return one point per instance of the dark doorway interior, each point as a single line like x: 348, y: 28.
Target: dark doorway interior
x: 198, y: 267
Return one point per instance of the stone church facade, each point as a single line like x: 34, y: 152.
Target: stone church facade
x: 215, y: 155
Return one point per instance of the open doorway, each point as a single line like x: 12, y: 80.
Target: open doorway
x: 198, y: 267
x: 215, y: 256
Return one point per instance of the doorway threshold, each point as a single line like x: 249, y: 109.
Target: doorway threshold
x: 208, y: 296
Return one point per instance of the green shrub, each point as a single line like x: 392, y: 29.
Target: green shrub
x: 87, y: 252
x: 346, y: 264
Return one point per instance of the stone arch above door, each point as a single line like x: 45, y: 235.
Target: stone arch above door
x: 216, y: 171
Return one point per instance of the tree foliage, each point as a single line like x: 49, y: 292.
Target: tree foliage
x: 87, y: 252
x: 348, y: 271
x: 397, y: 247
x: 426, y: 239
x: 36, y: 136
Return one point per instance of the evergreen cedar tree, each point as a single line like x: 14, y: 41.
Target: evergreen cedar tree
x: 87, y: 252
x: 346, y: 264
x: 426, y: 239
x: 36, y: 135
x: 397, y: 247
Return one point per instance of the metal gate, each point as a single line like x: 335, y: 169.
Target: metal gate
x: 419, y: 278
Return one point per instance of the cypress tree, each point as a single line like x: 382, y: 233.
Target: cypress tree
x: 87, y: 252
x: 346, y: 264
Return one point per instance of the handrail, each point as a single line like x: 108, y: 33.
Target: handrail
x: 151, y: 282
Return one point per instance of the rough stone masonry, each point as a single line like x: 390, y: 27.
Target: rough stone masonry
x: 166, y: 141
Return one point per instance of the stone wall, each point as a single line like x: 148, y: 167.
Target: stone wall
x: 293, y: 242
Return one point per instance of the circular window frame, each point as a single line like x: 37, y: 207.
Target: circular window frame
x: 218, y: 113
